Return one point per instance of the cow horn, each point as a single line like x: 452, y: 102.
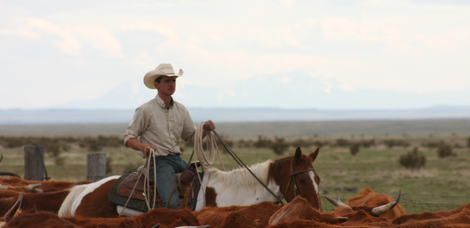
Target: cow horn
x: 377, y: 211
x: 3, y: 187
x: 34, y: 188
x: 339, y: 219
x: 9, y: 215
x: 337, y: 202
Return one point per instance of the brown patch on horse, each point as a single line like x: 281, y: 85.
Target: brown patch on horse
x: 280, y: 172
x: 99, y: 202
x: 211, y: 195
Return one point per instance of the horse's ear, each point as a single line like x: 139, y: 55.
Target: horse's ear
x: 298, y: 155
x: 314, y: 154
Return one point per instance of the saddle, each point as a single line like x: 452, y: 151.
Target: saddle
x: 121, y: 191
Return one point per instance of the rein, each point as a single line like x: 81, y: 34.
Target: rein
x: 292, y: 176
x: 240, y: 163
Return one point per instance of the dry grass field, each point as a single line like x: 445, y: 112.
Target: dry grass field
x: 442, y: 184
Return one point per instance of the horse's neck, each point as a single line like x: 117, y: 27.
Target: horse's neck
x: 239, y: 187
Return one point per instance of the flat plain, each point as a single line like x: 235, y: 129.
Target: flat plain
x: 442, y: 184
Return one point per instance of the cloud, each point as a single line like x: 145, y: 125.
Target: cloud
x: 400, y: 46
x: 69, y: 40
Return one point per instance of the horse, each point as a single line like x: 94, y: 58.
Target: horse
x: 285, y: 178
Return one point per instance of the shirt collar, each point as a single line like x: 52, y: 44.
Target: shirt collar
x: 161, y: 103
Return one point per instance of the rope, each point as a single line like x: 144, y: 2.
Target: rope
x: 146, y: 184
x: 147, y: 181
x: 206, y: 161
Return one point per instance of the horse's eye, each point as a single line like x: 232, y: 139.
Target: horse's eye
x: 302, y: 181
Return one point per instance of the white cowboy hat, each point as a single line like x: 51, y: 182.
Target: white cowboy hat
x: 164, y: 69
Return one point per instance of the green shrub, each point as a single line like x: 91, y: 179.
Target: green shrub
x: 302, y: 143
x: 431, y: 144
x: 262, y: 142
x: 227, y: 141
x: 318, y: 143
x: 413, y: 160
x: 342, y: 142
x: 367, y: 143
x: 445, y: 150
x: 279, y: 146
x: 354, y: 148
x: 390, y: 143
x: 244, y: 144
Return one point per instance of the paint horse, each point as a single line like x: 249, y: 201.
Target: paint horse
x: 286, y: 177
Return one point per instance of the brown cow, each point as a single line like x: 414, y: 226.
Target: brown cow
x: 49, y: 201
x: 27, y: 188
x: 46, y: 186
x: 369, y: 198
x: 299, y: 208
x: 302, y: 223
x: 8, y: 193
x: 359, y: 215
x: 155, y: 218
x: 459, y: 217
x: 259, y: 215
x: 256, y: 215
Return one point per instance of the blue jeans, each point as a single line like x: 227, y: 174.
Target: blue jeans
x: 167, y: 167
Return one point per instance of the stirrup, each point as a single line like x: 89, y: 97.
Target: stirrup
x: 195, y: 163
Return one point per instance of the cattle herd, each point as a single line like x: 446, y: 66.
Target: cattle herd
x: 25, y: 203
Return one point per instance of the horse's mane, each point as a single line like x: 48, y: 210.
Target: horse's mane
x: 275, y: 170
x: 241, y: 177
x: 66, y: 207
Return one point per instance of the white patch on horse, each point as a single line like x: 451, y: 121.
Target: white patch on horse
x: 312, y: 176
x: 66, y: 207
x: 240, y: 182
x: 315, y: 185
x: 90, y: 188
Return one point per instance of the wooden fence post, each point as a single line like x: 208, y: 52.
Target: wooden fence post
x: 34, y: 167
x: 96, y: 166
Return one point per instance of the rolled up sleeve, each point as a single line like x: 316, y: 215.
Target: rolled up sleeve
x: 137, y: 126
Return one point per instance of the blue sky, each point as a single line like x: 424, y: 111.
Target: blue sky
x: 336, y: 54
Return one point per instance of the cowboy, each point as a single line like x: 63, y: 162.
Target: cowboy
x: 157, y: 126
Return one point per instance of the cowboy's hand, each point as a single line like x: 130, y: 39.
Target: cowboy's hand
x: 209, y: 126
x: 147, y: 149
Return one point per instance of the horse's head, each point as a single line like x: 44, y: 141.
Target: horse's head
x: 296, y: 176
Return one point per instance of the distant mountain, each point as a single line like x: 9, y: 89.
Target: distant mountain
x: 295, y: 90
x: 95, y: 116
x: 303, y: 98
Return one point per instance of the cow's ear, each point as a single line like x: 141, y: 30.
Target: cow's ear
x: 298, y: 155
x: 314, y: 154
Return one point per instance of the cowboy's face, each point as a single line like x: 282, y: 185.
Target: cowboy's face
x: 166, y: 86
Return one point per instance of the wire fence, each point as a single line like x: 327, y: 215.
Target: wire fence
x: 411, y: 202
